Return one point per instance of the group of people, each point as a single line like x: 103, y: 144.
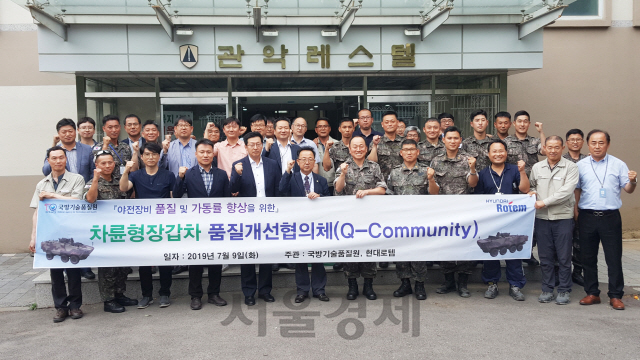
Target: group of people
x: 276, y: 159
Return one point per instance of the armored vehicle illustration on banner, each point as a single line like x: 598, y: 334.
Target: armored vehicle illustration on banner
x: 67, y: 249
x: 502, y: 242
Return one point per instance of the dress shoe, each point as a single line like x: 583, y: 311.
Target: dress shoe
x: 179, y: 269
x: 275, y: 267
x: 125, y: 301
x: 353, y: 292
x: 76, y: 313
x: 383, y: 265
x: 249, y: 300
x: 61, y: 315
x: 145, y: 302
x: 89, y: 275
x: 113, y: 306
x: 404, y: 289
x: 300, y: 298
x: 216, y: 300
x: 266, y: 297
x: 590, y: 300
x: 338, y: 266
x: 616, y: 304
x: 577, y: 278
x: 196, y: 303
x: 322, y: 297
x: 367, y: 289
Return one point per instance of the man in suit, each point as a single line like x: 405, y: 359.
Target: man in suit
x: 79, y: 161
x: 305, y: 183
x: 79, y: 156
x: 255, y: 176
x: 281, y: 151
x: 203, y: 181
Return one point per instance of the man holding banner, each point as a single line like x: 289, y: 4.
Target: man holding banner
x: 305, y: 183
x: 112, y: 281
x: 255, y: 176
x: 60, y: 184
x: 151, y: 182
x: 454, y: 173
x: 360, y: 177
x: 203, y: 181
x: 500, y: 178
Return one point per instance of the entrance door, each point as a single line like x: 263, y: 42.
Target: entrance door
x: 413, y: 109
x: 200, y: 110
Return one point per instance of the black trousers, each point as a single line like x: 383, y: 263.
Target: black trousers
x: 605, y: 227
x: 250, y: 282
x: 195, y: 280
x: 317, y: 282
x: 59, y: 290
x: 146, y: 280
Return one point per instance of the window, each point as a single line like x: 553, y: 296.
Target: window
x: 581, y: 9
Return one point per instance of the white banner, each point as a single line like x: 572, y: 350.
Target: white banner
x: 206, y: 231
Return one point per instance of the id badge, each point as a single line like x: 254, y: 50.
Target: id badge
x: 498, y: 193
x: 603, y: 193
x: 122, y: 172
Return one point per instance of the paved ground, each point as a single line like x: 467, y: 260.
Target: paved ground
x: 443, y: 326
x: 17, y: 273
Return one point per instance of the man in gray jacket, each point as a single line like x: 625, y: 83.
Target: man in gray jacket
x: 553, y: 181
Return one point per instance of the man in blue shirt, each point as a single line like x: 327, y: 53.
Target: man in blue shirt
x: 500, y: 178
x: 151, y: 182
x: 365, y: 121
x: 602, y: 176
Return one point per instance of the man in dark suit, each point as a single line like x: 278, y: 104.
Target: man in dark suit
x: 282, y: 151
x: 255, y: 176
x: 305, y: 183
x: 203, y: 181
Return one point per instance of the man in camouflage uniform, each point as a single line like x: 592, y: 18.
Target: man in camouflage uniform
x: 360, y: 177
x: 410, y: 178
x: 521, y: 146
x: 575, y: 141
x: 385, y: 150
x: 339, y: 153
x: 477, y: 145
x: 453, y: 173
x: 433, y: 145
x: 105, y: 186
x: 120, y: 150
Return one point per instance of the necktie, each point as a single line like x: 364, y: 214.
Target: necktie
x: 307, y: 185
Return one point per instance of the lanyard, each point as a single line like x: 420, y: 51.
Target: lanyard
x: 285, y: 152
x: 604, y: 178
x: 501, y: 178
x: 118, y: 155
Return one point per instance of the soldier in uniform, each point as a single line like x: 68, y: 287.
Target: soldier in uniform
x: 410, y: 178
x: 121, y: 151
x: 575, y: 141
x: 338, y: 153
x: 521, y: 146
x: 385, y: 150
x: 454, y: 173
x: 502, y: 123
x: 104, y: 186
x: 433, y: 145
x: 360, y: 177
x: 477, y: 145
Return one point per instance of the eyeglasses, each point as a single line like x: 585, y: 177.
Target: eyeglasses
x: 183, y: 126
x: 300, y: 126
x: 85, y: 128
x: 150, y: 154
x: 254, y: 145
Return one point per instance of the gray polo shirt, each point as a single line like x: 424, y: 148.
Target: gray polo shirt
x: 70, y: 184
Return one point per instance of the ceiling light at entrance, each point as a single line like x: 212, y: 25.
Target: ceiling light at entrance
x: 412, y: 32
x: 329, y: 32
x: 282, y: 111
x: 315, y: 106
x: 185, y: 32
x: 270, y: 32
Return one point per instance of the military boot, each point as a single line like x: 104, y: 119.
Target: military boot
x: 449, y: 284
x: 404, y: 289
x: 462, y: 285
x: 421, y: 293
x: 367, y: 289
x: 353, y: 293
x: 113, y: 306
